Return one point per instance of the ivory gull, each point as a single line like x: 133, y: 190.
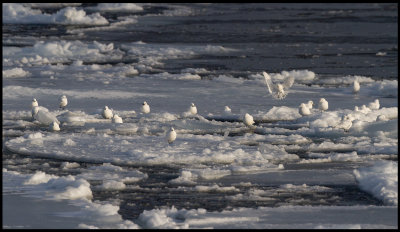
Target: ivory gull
x: 145, y: 108
x: 323, y: 104
x: 43, y: 115
x: 227, y: 110
x: 278, y: 90
x: 304, y: 110
x: 310, y: 104
x: 193, y: 109
x: 356, y: 86
x: 107, y: 113
x: 171, y: 135
x: 248, y: 120
x: 63, y: 101
x: 345, y: 123
x: 117, y: 119
x: 34, y: 103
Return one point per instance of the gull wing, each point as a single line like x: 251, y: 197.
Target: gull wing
x: 288, y: 82
x: 269, y: 83
x: 45, y: 117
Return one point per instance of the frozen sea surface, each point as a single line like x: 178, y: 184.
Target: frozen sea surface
x: 313, y: 171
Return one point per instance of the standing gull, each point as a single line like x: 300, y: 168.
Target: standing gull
x: 171, y: 135
x: 193, y: 109
x: 145, y: 108
x: 63, y: 102
x: 356, y: 86
x: 304, y: 110
x: 345, y: 123
x: 117, y: 119
x: 323, y: 104
x: 278, y: 90
x: 248, y: 120
x: 34, y: 103
x: 107, y: 113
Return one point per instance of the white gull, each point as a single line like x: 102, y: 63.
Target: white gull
x: 356, y: 86
x: 171, y: 135
x: 323, y: 104
x: 34, y: 103
x: 345, y: 123
x: 116, y: 119
x: 309, y: 104
x: 43, y: 115
x: 227, y: 110
x: 145, y: 108
x: 248, y: 120
x: 304, y: 110
x: 278, y: 91
x: 107, y: 113
x: 193, y: 109
x: 63, y: 102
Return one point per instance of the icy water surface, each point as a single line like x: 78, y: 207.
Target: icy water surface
x: 218, y: 173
